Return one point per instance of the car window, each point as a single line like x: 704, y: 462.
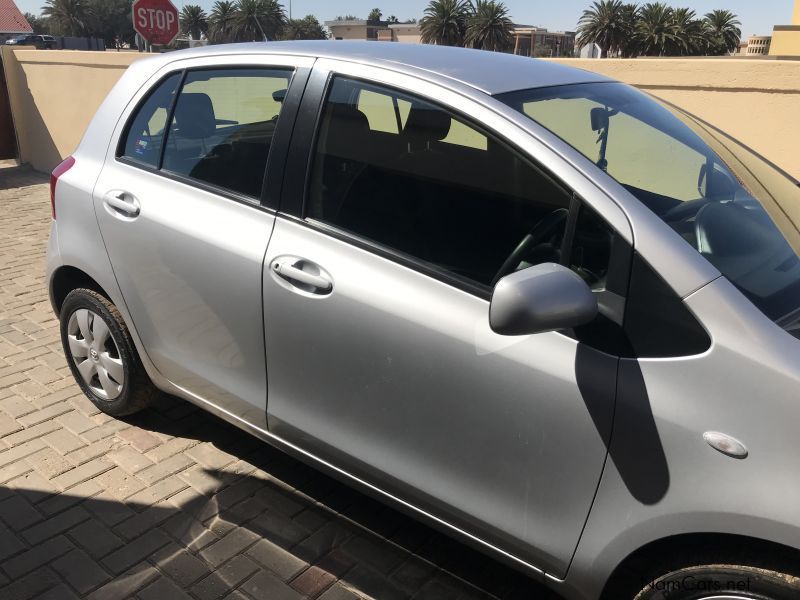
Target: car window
x: 223, y: 125
x: 724, y: 201
x: 470, y: 206
x: 145, y: 133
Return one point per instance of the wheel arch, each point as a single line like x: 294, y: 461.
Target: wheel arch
x: 666, y: 554
x: 67, y: 278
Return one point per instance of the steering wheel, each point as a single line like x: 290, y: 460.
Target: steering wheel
x: 544, y: 228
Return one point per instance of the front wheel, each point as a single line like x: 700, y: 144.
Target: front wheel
x: 101, y: 354
x: 721, y: 582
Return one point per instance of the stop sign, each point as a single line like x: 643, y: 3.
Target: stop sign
x: 155, y: 20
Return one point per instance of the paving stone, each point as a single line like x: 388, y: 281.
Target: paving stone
x: 63, y: 441
x: 139, y: 439
x: 60, y: 592
x: 223, y: 580
x: 18, y: 513
x: 162, y: 589
x: 95, y: 538
x: 83, y: 472
x: 266, y: 585
x: 126, y: 584
x: 80, y: 571
x: 37, y: 556
x: 313, y: 581
x: 181, y: 566
x: 135, y: 551
x: 210, y: 456
x: 129, y: 459
x: 55, y: 525
x: 30, y: 585
x: 281, y: 562
x: 235, y: 542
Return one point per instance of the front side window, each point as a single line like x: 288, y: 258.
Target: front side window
x: 736, y: 210
x: 222, y: 127
x: 400, y: 171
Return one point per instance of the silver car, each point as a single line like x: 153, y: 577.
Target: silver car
x: 537, y: 308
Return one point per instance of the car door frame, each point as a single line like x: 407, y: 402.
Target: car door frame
x: 476, y: 108
x: 273, y: 175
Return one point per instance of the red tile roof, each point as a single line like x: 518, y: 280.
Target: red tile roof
x: 11, y: 20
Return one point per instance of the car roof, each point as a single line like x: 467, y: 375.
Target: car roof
x: 489, y: 72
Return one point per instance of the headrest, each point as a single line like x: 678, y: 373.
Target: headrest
x: 194, y: 115
x: 426, y: 124
x: 347, y: 116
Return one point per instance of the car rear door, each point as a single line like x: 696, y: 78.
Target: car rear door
x: 376, y: 297
x: 183, y: 206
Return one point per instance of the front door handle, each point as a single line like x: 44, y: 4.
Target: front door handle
x: 291, y: 269
x: 122, y: 202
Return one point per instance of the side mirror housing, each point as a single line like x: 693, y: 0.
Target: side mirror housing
x: 541, y: 298
x: 599, y: 118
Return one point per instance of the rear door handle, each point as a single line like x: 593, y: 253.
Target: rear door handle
x: 122, y: 202
x: 291, y: 269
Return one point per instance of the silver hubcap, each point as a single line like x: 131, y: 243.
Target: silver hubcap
x: 95, y: 353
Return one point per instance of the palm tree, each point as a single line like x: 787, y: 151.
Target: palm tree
x: 259, y: 20
x: 445, y: 22
x: 307, y: 28
x: 67, y: 16
x: 605, y: 25
x: 689, y: 31
x: 656, y: 30
x: 489, y: 27
x: 627, y: 46
x: 375, y: 15
x: 221, y: 22
x: 194, y: 21
x: 723, y: 28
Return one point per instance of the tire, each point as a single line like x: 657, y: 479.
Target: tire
x: 721, y: 582
x: 101, y: 354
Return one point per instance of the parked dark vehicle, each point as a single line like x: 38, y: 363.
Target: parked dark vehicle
x: 42, y: 42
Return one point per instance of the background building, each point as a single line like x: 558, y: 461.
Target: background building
x: 758, y: 45
x: 12, y: 22
x: 374, y: 30
x: 786, y: 38
x: 538, y: 41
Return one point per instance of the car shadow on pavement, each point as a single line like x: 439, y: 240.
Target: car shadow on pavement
x: 264, y: 525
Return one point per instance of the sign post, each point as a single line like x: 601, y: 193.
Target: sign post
x: 155, y: 20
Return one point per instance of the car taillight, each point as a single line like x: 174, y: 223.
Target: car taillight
x: 65, y: 166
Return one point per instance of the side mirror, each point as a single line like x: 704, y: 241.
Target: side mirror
x: 545, y: 297
x: 599, y: 118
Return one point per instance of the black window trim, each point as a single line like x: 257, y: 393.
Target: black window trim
x: 272, y: 178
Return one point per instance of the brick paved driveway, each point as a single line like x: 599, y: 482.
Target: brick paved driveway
x: 174, y: 503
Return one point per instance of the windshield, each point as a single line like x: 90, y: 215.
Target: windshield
x: 720, y: 197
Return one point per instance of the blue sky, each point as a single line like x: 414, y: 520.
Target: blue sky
x: 757, y: 16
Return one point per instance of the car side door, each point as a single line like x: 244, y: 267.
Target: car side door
x: 183, y: 207
x: 378, y: 279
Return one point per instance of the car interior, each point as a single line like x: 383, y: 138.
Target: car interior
x: 221, y: 152
x: 463, y: 209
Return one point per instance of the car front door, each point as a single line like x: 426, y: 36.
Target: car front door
x: 183, y: 214
x: 376, y: 299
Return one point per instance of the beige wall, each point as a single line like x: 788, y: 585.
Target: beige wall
x: 348, y: 32
x: 54, y: 95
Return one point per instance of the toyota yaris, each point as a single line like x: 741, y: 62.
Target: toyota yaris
x: 533, y: 306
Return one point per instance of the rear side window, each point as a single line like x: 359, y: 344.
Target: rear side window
x: 223, y: 125
x: 145, y: 134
